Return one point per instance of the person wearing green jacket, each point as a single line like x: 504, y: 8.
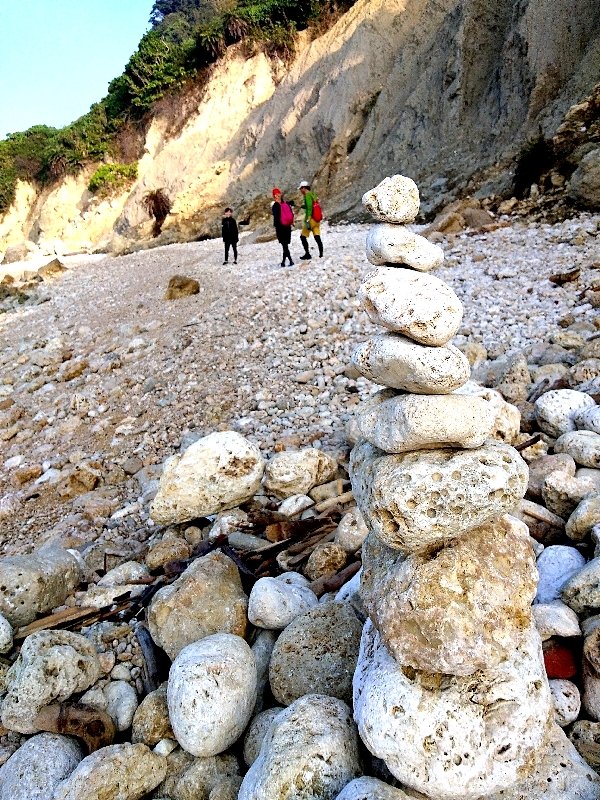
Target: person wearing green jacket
x: 310, y: 225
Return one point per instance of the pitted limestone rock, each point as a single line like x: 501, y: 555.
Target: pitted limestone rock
x: 207, y: 598
x: 555, y: 410
x: 582, y: 446
x: 38, y: 766
x: 395, y: 361
x: 297, y: 471
x: 395, y: 200
x: 211, y: 693
x: 507, y: 422
x: 413, y: 422
x: 217, y: 472
x: 36, y: 583
x: 256, y: 732
x: 582, y: 520
x: 395, y: 244
x: 588, y: 419
x: 453, y: 738
x: 351, y: 531
x: 52, y: 666
x: 370, y: 789
x: 117, y: 772
x: 311, y: 750
x: 463, y: 609
x: 421, y: 307
x: 566, y: 700
x: 414, y: 501
x: 581, y: 589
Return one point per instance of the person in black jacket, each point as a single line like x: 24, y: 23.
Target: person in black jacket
x: 229, y: 232
x: 282, y: 231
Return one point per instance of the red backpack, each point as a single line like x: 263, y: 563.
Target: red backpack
x: 317, y: 212
x: 287, y: 215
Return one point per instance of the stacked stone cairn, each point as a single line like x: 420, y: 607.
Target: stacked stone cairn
x: 450, y: 689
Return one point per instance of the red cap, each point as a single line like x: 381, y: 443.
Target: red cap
x: 276, y: 191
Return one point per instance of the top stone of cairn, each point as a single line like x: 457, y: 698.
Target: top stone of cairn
x: 394, y: 200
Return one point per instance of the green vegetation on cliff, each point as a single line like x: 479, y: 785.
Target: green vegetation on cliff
x: 186, y: 37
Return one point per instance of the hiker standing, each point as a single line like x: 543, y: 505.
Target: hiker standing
x: 283, y: 219
x: 312, y: 220
x: 229, y: 232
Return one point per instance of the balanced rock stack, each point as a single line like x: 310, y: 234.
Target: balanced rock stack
x: 450, y: 689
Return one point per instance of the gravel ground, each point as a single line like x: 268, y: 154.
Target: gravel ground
x: 107, y: 377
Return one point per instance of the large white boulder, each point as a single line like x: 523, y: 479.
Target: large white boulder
x: 211, y: 693
x: 582, y: 446
x: 217, y: 472
x: 395, y: 199
x: 38, y: 766
x: 556, y: 564
x: 421, y: 307
x: 311, y: 750
x: 395, y: 244
x: 416, y: 500
x: 458, y: 611
x: 453, y: 738
x: 395, y: 361
x: 555, y: 411
x: 413, y: 422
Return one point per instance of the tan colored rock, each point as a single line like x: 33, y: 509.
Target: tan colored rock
x: 207, y: 598
x: 395, y: 244
x: 351, y: 531
x: 413, y: 422
x: 181, y: 286
x: 461, y: 610
x: 395, y: 361
x: 297, y: 471
x: 541, y: 467
x: 370, y: 789
x: 167, y: 550
x: 51, y: 667
x: 508, y: 417
x: 36, y: 583
x: 585, y: 735
x: 256, y: 732
x: 326, y: 559
x: 117, y: 772
x: 562, y: 493
x: 421, y: 307
x: 395, y: 200
x: 217, y: 472
x: 414, y: 501
x: 151, y: 720
x: 584, y: 517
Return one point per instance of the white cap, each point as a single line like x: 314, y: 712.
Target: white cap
x: 304, y: 185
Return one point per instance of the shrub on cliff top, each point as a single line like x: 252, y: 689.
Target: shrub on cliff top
x: 111, y: 178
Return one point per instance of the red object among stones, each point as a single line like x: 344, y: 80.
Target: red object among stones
x: 559, y: 660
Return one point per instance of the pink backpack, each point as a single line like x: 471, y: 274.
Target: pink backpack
x: 287, y: 215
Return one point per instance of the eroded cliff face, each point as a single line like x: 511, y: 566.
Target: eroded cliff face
x: 436, y: 89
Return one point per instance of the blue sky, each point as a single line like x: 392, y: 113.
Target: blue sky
x: 57, y: 57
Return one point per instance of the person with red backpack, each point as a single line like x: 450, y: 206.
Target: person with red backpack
x: 283, y: 220
x: 312, y: 220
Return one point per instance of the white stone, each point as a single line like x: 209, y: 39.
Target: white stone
x: 310, y: 751
x: 6, y: 635
x: 591, y: 692
x: 559, y: 774
x: 413, y: 422
x: 121, y: 703
x: 507, y: 423
x: 566, y: 700
x: 395, y: 361
x: 124, y: 573
x: 295, y: 504
x: 581, y: 522
x: 52, y: 666
x: 555, y: 619
x: 257, y: 730
x: 273, y: 604
x: 262, y: 649
x: 38, y: 766
x: 449, y: 737
x: 421, y: 307
x: 583, y: 446
x: 297, y: 471
x: 555, y: 410
x: 294, y: 578
x: 217, y: 472
x: 395, y: 200
x: 581, y: 590
x: 588, y: 419
x: 351, y: 531
x: 556, y: 565
x: 211, y: 693
x: 395, y: 244
x: 416, y: 500
x: 117, y: 772
x: 370, y: 789
x: 350, y: 590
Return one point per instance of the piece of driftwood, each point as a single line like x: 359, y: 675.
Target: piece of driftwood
x: 541, y: 513
x: 71, y: 618
x: 94, y: 727
x: 151, y: 668
x: 529, y: 443
x: 333, y: 583
x: 324, y: 505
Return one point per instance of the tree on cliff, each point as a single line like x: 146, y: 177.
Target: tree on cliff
x: 195, y: 11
